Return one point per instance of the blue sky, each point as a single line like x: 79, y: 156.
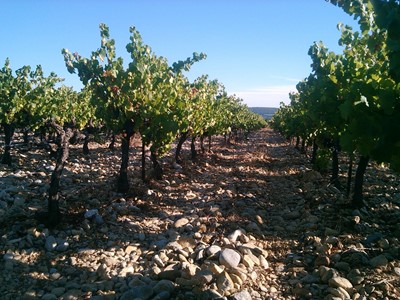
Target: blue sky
x: 256, y: 48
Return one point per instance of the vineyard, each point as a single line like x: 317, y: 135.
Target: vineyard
x: 147, y: 185
x: 149, y: 98
x: 350, y: 101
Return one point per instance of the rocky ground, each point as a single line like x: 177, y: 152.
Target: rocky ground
x: 250, y: 220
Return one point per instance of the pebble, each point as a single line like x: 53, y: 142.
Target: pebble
x: 263, y: 262
x: 216, y: 269
x: 181, y: 222
x: 164, y: 295
x: 236, y: 234
x: 379, y: 261
x: 190, y: 252
x: 355, y: 277
x: 55, y: 276
x: 384, y: 244
x: 176, y: 166
x: 322, y: 261
x: 50, y: 243
x: 141, y: 236
x: 342, y: 266
x: 164, y: 286
x: 49, y: 296
x: 310, y: 278
x: 130, y: 248
x: 326, y: 273
x: 58, y: 291
x: 8, y: 256
x: 205, y: 276
x: 225, y: 283
x: 339, y: 292
x: 342, y: 282
x: 62, y: 245
x: 91, y: 213
x: 213, y: 250
x: 229, y: 258
x: 138, y: 292
x: 158, y: 261
x: 243, y: 295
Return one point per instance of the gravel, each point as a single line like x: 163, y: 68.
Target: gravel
x: 248, y: 221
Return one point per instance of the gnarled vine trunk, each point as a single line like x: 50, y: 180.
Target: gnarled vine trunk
x: 53, y: 215
x: 314, y: 152
x: 143, y: 161
x: 123, y: 182
x: 297, y: 145
x: 85, y: 147
x: 26, y: 136
x: 357, y: 200
x: 8, y: 134
x: 349, y: 175
x: 335, y: 166
x: 158, y: 171
x: 182, y: 139
x: 193, y: 148
x: 89, y: 130
x: 202, y: 144
x: 112, y: 143
x: 303, y: 146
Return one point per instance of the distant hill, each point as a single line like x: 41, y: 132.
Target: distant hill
x: 266, y: 112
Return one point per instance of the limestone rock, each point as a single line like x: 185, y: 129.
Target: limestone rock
x: 181, y: 222
x: 229, y: 258
x: 244, y: 295
x: 225, y: 283
x: 342, y: 282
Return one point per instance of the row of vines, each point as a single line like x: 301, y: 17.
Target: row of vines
x: 350, y: 103
x: 147, y: 96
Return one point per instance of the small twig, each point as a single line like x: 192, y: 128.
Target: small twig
x: 384, y: 281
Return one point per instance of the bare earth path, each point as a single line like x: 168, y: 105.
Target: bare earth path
x: 247, y: 221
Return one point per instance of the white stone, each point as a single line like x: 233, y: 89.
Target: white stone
x: 181, y: 222
x: 212, y: 250
x: 234, y: 235
x: 229, y: 258
x: 263, y: 262
x: 243, y: 295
